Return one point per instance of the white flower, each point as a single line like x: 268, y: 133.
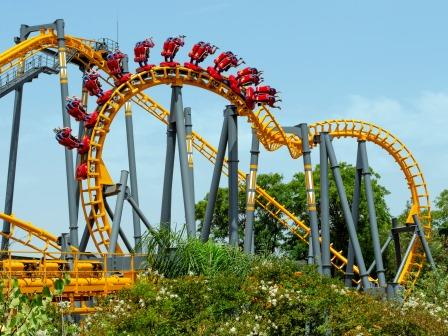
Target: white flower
x: 232, y: 330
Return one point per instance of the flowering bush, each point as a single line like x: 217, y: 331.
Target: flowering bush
x: 24, y: 315
x: 276, y: 297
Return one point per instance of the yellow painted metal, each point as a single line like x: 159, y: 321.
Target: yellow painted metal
x: 269, y: 132
x: 87, y: 278
x: 36, y: 239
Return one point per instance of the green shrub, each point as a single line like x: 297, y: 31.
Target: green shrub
x: 260, y: 296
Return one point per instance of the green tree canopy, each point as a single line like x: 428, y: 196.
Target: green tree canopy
x: 440, y: 214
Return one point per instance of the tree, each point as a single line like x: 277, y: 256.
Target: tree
x: 271, y: 236
x: 440, y: 215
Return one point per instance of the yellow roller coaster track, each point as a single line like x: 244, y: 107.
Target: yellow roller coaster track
x: 270, y: 134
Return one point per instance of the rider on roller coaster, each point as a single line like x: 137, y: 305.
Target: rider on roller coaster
x: 65, y: 138
x: 224, y: 62
x: 93, y: 86
x: 170, y: 49
x: 198, y: 54
x: 141, y: 54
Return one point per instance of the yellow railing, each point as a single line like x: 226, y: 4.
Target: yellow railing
x: 90, y: 274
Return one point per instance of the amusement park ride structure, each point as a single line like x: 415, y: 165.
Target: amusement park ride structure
x: 46, y: 257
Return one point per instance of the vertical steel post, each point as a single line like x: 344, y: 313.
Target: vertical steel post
x: 189, y: 142
x: 140, y: 214
x: 132, y: 173
x: 397, y: 245
x: 310, y: 195
x: 310, y: 251
x: 421, y: 235
x: 324, y: 207
x: 165, y: 216
x: 372, y: 215
x: 12, y: 164
x: 84, y: 100
x: 65, y: 247
x: 250, y: 192
x: 385, y: 245
x: 216, y: 177
x: 232, y: 147
x: 355, y: 214
x: 118, y: 212
x: 66, y: 122
x: 120, y: 232
x: 405, y: 257
x: 347, y: 214
x: 184, y: 172
x: 84, y: 239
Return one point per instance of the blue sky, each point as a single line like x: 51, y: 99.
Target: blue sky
x: 381, y: 61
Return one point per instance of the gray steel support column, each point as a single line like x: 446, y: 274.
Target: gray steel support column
x: 397, y: 245
x: 386, y: 244
x: 347, y: 214
x: 310, y: 195
x: 232, y: 147
x: 216, y: 177
x: 189, y: 142
x: 121, y: 232
x: 70, y: 173
x: 250, y: 192
x: 373, y: 264
x: 12, y: 164
x: 324, y: 207
x: 132, y: 173
x: 118, y: 212
x: 348, y: 278
x: 405, y: 257
x: 165, y: 215
x: 421, y: 235
x: 189, y: 206
x: 84, y: 239
x: 65, y: 248
x: 84, y: 100
x: 140, y: 214
x: 372, y: 215
x: 310, y: 251
x: 252, y: 247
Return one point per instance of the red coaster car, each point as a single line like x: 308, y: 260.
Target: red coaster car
x: 249, y: 76
x: 75, y: 108
x: 198, y: 54
x: 224, y: 62
x: 141, y: 54
x: 145, y: 68
x: 170, y: 49
x: 65, y: 138
x: 81, y: 171
x: 84, y: 145
x: 104, y: 97
x: 227, y: 60
x: 253, y: 96
x: 233, y: 83
x: 90, y: 120
x: 92, y: 84
x: 249, y: 80
x: 115, y: 64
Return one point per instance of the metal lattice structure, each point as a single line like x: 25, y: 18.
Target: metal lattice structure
x: 95, y: 273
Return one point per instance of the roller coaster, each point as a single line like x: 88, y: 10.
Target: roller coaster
x: 44, y: 257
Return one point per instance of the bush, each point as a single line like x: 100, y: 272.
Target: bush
x: 229, y: 293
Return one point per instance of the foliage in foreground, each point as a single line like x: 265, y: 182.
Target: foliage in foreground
x: 275, y: 297
x: 23, y: 315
